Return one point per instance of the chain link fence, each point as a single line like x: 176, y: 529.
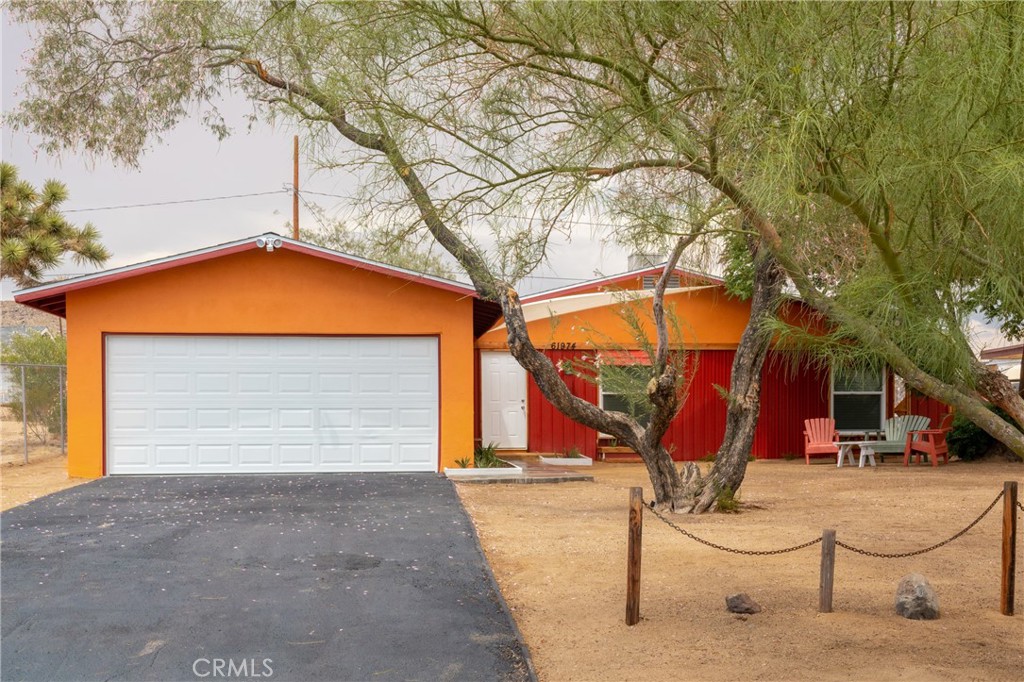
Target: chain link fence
x: 33, y: 412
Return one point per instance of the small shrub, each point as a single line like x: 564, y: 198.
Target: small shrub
x: 751, y: 458
x: 573, y: 453
x: 710, y: 457
x: 789, y: 456
x: 486, y: 457
x: 969, y: 441
x: 464, y: 462
x: 727, y: 502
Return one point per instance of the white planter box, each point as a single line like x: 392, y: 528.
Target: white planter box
x: 581, y: 461
x: 489, y: 472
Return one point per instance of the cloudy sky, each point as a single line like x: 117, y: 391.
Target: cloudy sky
x: 192, y: 164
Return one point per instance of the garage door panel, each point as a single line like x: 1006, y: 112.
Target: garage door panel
x: 271, y: 404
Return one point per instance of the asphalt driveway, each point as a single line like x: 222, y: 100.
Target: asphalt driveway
x: 326, y: 577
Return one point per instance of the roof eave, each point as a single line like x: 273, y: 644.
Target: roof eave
x: 51, y: 297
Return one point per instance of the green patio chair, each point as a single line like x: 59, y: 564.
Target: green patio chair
x: 896, y: 430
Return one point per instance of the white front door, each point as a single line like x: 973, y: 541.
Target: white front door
x: 503, y: 400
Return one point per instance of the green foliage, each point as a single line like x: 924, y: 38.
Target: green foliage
x: 35, y: 235
x: 738, y: 266
x: 789, y: 456
x: 573, y: 453
x: 401, y: 248
x: 42, y: 384
x: 968, y: 441
x: 727, y: 501
x: 710, y: 457
x: 464, y: 462
x: 486, y: 457
x: 876, y: 147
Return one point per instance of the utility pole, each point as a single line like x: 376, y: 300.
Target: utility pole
x: 295, y: 191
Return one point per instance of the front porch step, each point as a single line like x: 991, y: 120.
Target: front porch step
x: 617, y: 454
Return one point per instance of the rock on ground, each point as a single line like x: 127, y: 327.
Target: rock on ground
x: 741, y: 603
x: 916, y: 598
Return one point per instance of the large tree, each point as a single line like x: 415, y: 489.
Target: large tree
x: 875, y: 149
x: 814, y: 121
x: 35, y: 235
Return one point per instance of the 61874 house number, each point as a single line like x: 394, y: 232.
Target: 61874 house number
x: 563, y: 345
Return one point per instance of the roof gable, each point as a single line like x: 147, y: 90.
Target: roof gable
x: 51, y: 297
x: 599, y: 284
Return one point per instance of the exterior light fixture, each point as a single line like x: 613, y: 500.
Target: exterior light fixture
x: 270, y: 243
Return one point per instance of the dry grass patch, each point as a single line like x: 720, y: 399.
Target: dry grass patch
x: 558, y: 552
x: 45, y: 473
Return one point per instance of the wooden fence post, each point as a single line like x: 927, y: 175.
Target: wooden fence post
x: 828, y: 568
x: 1009, y: 547
x: 636, y: 526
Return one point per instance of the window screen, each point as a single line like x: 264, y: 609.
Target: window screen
x: 858, y: 399
x: 619, y: 403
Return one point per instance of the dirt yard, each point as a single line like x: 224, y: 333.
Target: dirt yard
x: 45, y: 473
x: 559, y: 554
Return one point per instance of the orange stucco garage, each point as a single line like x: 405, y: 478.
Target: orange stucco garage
x: 265, y: 355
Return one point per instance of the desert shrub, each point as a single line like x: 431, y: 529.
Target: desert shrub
x: 727, y: 501
x: 42, y: 384
x: 486, y: 457
x: 969, y: 441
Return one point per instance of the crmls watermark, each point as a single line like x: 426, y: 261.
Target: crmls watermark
x: 229, y: 667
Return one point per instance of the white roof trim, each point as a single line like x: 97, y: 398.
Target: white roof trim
x: 76, y: 281
x: 551, y: 293
x: 563, y: 305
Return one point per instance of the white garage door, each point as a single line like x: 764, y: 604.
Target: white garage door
x: 226, y: 404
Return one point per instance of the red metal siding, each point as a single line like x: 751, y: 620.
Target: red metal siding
x: 788, y: 397
x: 790, y: 393
x: 698, y: 428
x: 928, y: 407
x: 548, y: 430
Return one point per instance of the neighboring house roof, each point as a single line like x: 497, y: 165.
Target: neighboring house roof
x: 1003, y: 353
x: 613, y: 281
x: 51, y: 297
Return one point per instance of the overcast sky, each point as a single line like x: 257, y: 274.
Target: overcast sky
x: 192, y: 164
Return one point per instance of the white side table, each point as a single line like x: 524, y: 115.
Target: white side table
x: 867, y: 452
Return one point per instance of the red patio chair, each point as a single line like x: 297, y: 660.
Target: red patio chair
x: 930, y: 442
x: 820, y: 438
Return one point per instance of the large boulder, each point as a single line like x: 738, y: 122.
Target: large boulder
x: 916, y: 598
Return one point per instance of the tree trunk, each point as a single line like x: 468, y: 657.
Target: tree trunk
x: 700, y: 493
x: 997, y: 389
x: 1020, y: 375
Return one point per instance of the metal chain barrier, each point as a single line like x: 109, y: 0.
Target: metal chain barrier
x: 811, y: 543
x: 748, y: 552
x: 903, y: 555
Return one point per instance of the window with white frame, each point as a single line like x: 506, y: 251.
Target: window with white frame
x: 621, y: 390
x: 858, y: 399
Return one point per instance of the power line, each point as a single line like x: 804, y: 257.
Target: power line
x: 499, y: 215
x: 173, y: 202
